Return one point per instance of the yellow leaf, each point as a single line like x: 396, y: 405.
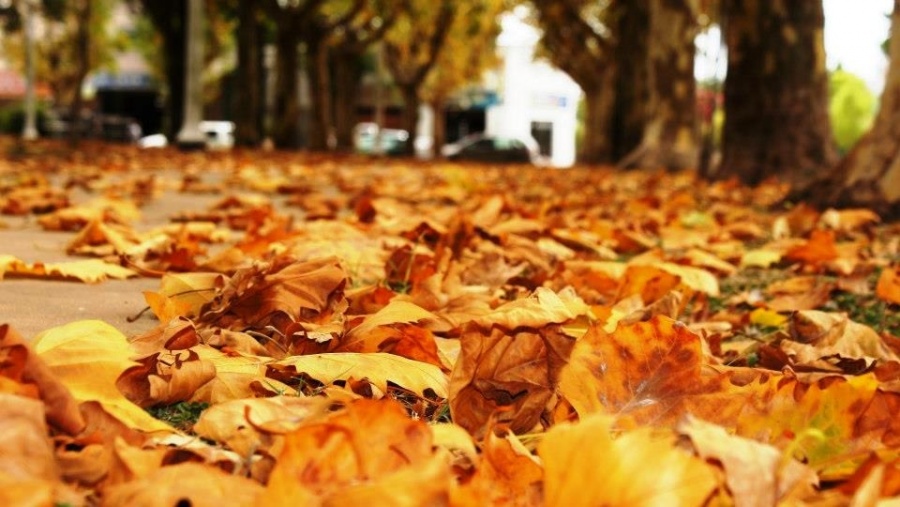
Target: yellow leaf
x: 639, y: 467
x: 88, y: 356
x: 760, y: 258
x: 190, y: 289
x: 765, y: 317
x: 538, y: 310
x: 378, y: 368
x: 88, y: 271
x: 394, y: 313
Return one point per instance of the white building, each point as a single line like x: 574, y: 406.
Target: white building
x: 537, y: 99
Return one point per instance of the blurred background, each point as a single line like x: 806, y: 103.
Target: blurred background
x: 486, y: 79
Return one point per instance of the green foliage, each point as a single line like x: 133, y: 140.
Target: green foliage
x: 851, y: 107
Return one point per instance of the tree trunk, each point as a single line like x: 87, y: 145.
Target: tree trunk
x: 249, y: 102
x: 669, y: 137
x: 410, y: 118
x: 597, y: 146
x: 287, y: 109
x: 439, y: 130
x: 776, y: 109
x: 83, y: 55
x: 869, y: 175
x: 170, y: 19
x: 346, y: 87
x: 320, y: 90
x: 632, y: 24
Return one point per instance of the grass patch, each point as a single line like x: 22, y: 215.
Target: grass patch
x: 182, y: 415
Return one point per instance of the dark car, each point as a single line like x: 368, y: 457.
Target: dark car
x: 484, y: 148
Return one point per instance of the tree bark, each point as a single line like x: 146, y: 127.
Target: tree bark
x: 320, y: 90
x: 776, y: 121
x: 439, y: 127
x: 597, y: 144
x: 170, y: 18
x: 287, y: 108
x: 347, y: 74
x: 83, y: 54
x: 670, y: 137
x: 248, y: 103
x: 631, y: 26
x: 410, y: 118
x: 869, y: 176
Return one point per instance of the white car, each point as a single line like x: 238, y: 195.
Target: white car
x: 219, y: 136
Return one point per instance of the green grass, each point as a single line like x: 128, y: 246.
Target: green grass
x: 182, y: 415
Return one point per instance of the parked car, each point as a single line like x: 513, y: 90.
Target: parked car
x: 366, y: 135
x: 219, y: 136
x: 481, y: 147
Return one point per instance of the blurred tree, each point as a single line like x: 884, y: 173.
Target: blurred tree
x: 469, y: 50
x: 411, y: 50
x: 332, y: 18
x: 75, y: 39
x: 249, y: 102
x: 776, y: 108
x: 162, y: 43
x: 851, y: 107
x: 669, y: 135
x: 290, y: 18
x: 347, y: 52
x: 169, y: 19
x: 579, y: 39
x: 869, y: 175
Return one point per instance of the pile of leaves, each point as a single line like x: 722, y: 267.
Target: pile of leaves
x: 344, y: 331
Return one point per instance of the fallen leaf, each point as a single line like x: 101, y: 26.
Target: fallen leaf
x: 377, y: 368
x: 543, y: 307
x: 888, y: 286
x: 510, y: 375
x: 88, y: 357
x: 237, y: 423
x: 192, y: 484
x: 639, y: 371
x: 677, y: 477
x: 756, y: 474
x: 364, y: 445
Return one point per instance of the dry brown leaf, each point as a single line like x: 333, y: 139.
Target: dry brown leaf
x: 26, y: 452
x: 21, y: 364
x: 757, y: 475
x: 361, y: 446
x: 239, y: 423
x: 193, y: 484
x: 542, y: 308
x: 510, y: 376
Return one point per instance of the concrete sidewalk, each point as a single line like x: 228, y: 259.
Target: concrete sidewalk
x: 33, y: 305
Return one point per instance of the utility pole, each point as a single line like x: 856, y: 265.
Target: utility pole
x: 190, y: 137
x: 29, y: 132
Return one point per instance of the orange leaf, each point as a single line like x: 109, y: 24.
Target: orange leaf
x: 888, y: 288
x: 819, y: 248
x: 641, y: 370
x: 639, y: 467
x: 365, y: 444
